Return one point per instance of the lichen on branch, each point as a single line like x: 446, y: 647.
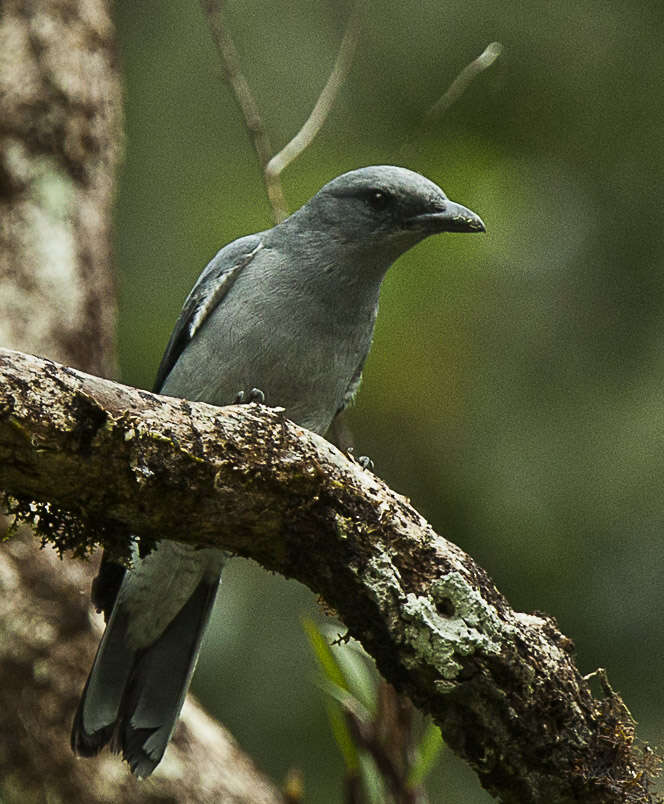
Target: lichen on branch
x: 502, y: 685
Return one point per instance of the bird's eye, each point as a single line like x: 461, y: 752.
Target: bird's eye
x: 377, y: 199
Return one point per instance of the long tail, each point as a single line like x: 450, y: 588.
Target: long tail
x: 132, y: 698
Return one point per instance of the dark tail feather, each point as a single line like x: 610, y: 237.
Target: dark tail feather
x: 82, y: 743
x: 154, y: 688
x: 159, y: 683
x: 94, y: 721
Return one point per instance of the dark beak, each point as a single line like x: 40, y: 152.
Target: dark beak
x: 453, y: 218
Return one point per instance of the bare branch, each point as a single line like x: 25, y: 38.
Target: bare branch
x: 326, y: 99
x: 272, y: 166
x: 245, y: 100
x: 457, y: 88
x: 502, y: 685
x: 461, y: 83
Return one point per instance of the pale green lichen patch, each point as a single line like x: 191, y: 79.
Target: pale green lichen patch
x: 433, y: 639
x: 441, y: 627
x: 468, y: 604
x: 383, y: 578
x: 451, y: 622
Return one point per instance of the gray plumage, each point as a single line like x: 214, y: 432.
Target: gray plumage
x: 290, y: 311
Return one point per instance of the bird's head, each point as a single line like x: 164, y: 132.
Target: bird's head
x: 384, y: 207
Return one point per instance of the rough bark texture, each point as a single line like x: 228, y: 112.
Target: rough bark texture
x: 60, y: 126
x: 60, y: 130
x: 502, y: 685
x: 47, y: 644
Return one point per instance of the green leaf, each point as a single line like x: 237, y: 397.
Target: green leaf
x: 335, y: 679
x: 348, y: 702
x: 342, y: 736
x: 359, y: 673
x: 374, y: 785
x: 427, y: 754
x: 324, y: 655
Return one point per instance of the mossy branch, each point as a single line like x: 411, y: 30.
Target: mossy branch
x: 502, y: 685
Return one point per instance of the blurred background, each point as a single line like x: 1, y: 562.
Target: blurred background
x: 514, y: 390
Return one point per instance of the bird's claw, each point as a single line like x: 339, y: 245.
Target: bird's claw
x: 246, y: 397
x: 364, y: 460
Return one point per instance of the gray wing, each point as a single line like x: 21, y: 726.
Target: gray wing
x: 212, y: 285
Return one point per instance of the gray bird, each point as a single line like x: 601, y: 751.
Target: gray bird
x: 289, y: 311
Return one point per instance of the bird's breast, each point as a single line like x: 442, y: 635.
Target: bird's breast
x: 299, y: 343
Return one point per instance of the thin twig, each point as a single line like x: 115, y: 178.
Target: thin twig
x: 456, y: 89
x: 325, y: 101
x: 244, y: 98
x: 463, y: 81
x: 272, y: 166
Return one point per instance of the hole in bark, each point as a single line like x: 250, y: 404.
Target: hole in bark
x: 445, y: 607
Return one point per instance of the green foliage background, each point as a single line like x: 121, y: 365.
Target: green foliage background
x: 514, y: 390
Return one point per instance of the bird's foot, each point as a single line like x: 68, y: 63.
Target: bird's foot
x: 246, y: 397
x: 364, y: 460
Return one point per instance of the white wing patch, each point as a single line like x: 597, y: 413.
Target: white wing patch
x: 221, y: 284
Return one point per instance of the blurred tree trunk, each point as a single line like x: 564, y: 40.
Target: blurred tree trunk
x: 60, y: 140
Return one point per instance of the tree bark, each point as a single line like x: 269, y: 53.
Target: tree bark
x: 502, y: 685
x: 60, y: 138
